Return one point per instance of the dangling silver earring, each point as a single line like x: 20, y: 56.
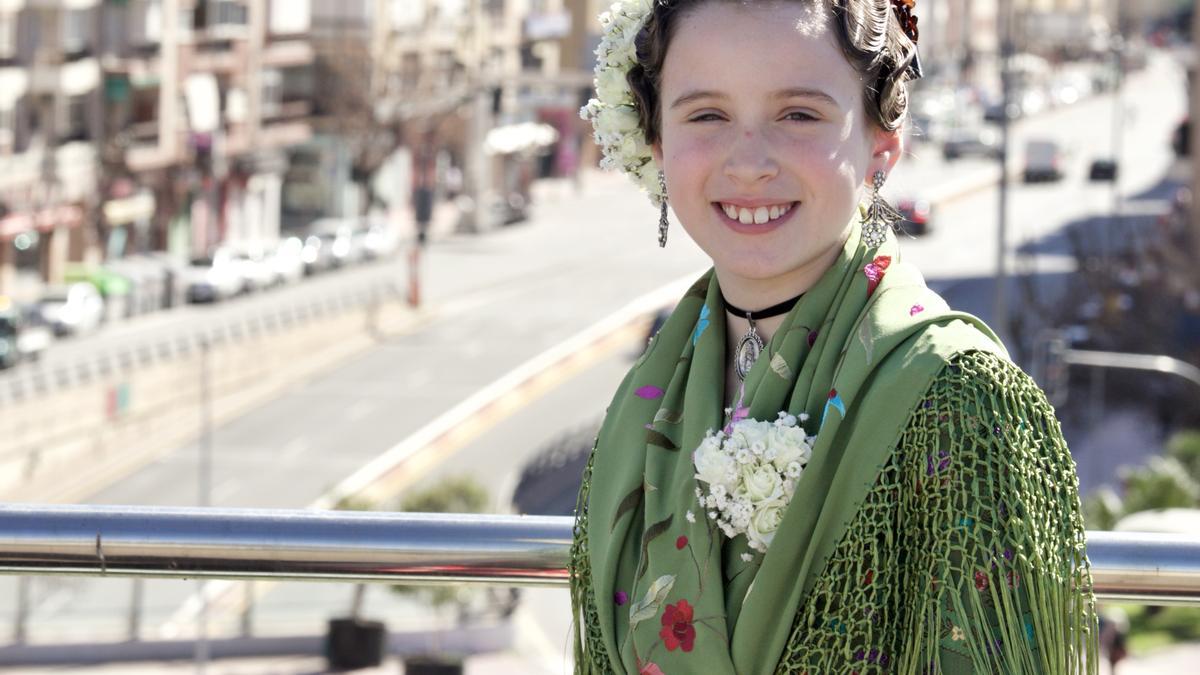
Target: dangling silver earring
x: 880, y: 217
x: 662, y: 216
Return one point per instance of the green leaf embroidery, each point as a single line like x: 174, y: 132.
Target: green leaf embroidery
x: 656, y: 595
x: 866, y: 337
x: 668, y: 416
x: 651, y: 533
x: 781, y: 368
x: 629, y: 503
x: 657, y: 439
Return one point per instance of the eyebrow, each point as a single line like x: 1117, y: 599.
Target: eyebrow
x: 791, y: 92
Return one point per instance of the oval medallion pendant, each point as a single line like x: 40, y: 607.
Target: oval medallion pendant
x: 747, y: 353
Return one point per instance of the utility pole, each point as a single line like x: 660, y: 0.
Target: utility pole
x: 1111, y: 231
x: 1000, y: 302
x: 477, y: 169
x: 1195, y: 115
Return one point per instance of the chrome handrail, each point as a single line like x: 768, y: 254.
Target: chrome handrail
x: 350, y: 546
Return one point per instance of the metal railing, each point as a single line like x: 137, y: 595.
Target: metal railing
x: 301, y: 545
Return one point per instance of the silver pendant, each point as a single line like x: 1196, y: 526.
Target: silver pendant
x: 748, y: 350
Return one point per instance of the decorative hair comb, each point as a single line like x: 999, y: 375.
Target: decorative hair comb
x: 908, y: 22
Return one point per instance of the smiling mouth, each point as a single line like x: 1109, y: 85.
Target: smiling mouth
x: 761, y: 215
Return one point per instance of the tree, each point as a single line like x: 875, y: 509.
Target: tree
x: 346, y: 86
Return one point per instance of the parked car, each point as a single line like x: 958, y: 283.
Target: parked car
x: 918, y: 214
x: 115, y: 289
x: 316, y: 254
x: 381, y: 239
x: 213, y: 278
x: 971, y: 142
x: 337, y: 235
x: 287, y: 260
x: 1181, y: 138
x: 73, y: 309
x: 1043, y: 161
x: 253, y: 269
x: 23, y: 336
x: 172, y: 276
x: 145, y: 284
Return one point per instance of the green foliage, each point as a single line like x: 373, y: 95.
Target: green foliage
x: 1153, y: 627
x: 460, y: 494
x: 1163, y: 483
x: 1102, y: 508
x: 1170, y: 481
x: 1185, y: 447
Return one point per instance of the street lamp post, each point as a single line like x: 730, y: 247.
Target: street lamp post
x: 1000, y: 302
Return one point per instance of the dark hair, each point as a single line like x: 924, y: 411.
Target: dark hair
x: 867, y: 31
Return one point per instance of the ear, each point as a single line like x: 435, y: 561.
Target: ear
x: 885, y: 152
x: 656, y: 152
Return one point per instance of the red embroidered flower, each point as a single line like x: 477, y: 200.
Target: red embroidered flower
x: 650, y: 668
x: 681, y: 542
x: 874, y: 271
x: 981, y: 581
x: 677, y: 630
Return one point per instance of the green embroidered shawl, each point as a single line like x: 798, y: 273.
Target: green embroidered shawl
x: 658, y: 588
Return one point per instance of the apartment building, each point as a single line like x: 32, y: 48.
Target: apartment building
x: 144, y: 125
x: 50, y: 83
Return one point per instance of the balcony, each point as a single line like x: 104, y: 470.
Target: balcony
x: 287, y: 53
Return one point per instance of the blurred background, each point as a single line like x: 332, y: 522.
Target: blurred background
x: 358, y: 254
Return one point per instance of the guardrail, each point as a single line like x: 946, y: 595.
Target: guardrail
x: 301, y: 545
x: 188, y: 332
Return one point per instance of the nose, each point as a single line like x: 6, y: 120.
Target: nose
x: 750, y: 160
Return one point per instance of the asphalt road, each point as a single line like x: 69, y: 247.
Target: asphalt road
x: 504, y: 297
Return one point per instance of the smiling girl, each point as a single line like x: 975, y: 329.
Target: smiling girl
x: 927, y: 517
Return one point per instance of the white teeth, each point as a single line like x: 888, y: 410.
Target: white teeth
x: 757, y: 216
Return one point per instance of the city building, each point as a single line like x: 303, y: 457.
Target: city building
x: 50, y: 83
x: 144, y: 125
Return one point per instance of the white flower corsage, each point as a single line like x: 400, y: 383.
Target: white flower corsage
x: 748, y: 473
x: 612, y: 112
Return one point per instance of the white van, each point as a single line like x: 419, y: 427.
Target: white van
x: 1043, y: 161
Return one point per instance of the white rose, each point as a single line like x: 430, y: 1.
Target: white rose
x: 762, y: 483
x: 790, y: 446
x: 765, y: 522
x: 712, y: 466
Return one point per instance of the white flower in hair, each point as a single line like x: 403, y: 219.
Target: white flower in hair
x: 613, y: 113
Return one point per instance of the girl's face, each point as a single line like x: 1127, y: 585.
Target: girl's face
x: 765, y: 144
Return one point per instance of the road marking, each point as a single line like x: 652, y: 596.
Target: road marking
x: 294, y: 448
x: 224, y: 490
x: 360, y: 409
x: 430, y: 444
